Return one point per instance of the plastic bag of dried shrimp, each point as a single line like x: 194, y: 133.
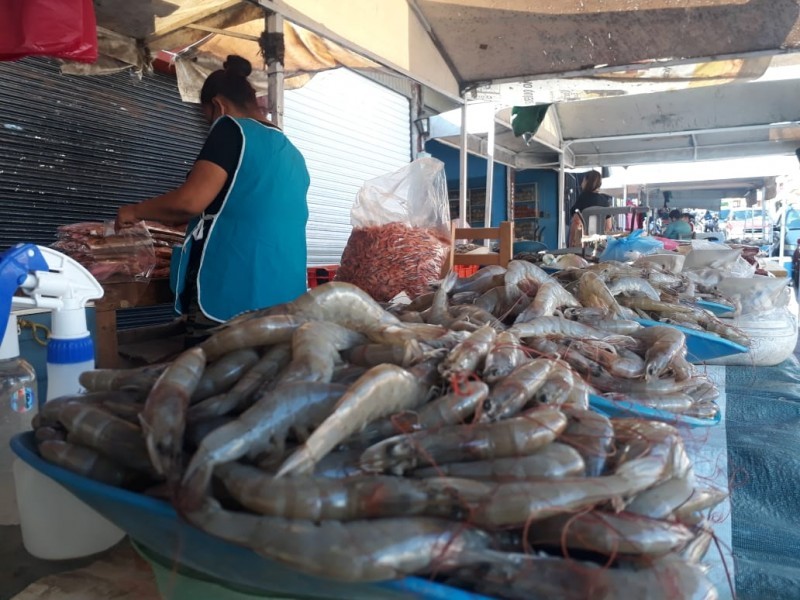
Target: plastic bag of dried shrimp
x: 401, y: 232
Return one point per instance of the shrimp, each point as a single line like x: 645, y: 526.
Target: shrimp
x: 557, y: 326
x: 511, y: 437
x: 500, y: 300
x: 523, y: 577
x: 381, y: 391
x: 660, y: 501
x: 520, y: 270
x: 592, y: 435
x: 315, y: 350
x: 550, y: 297
x: 611, y: 534
x: 291, y: 405
x: 450, y: 409
x: 163, y: 418
x: 419, y: 303
x: 512, y: 394
x: 485, y: 279
x: 516, y: 503
x: 630, y: 366
x: 595, y: 318
x: 674, y: 402
x: 438, y: 313
x: 505, y: 356
x: 275, y: 359
x: 662, y: 345
x: 370, y: 355
x: 44, y: 434
x: 50, y: 413
x: 655, y: 440
x: 377, y: 549
x: 224, y: 373
x: 606, y: 383
x: 554, y: 461
x: 86, y: 462
x: 261, y: 331
x: 633, y: 286
x: 468, y: 355
x: 116, y: 438
x: 700, y: 500
x: 141, y: 379
x: 681, y: 367
x: 346, y: 305
x: 315, y: 498
x: 558, y: 385
x: 592, y: 292
x: 474, y: 315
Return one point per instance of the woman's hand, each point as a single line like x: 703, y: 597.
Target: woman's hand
x: 126, y: 215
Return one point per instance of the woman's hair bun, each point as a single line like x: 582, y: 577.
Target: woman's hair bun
x: 238, y: 65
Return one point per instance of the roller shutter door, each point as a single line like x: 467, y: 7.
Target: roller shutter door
x: 75, y: 148
x: 349, y: 129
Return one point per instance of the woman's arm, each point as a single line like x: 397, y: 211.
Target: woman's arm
x: 204, y: 183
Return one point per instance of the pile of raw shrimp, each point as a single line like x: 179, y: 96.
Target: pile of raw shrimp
x: 334, y: 437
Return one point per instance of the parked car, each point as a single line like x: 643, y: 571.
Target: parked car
x: 747, y: 223
x: 792, y: 232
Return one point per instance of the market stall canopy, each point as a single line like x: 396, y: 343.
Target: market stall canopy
x: 701, y: 122
x: 199, y: 34
x: 455, y: 45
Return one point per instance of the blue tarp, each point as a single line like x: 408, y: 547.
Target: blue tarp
x: 763, y: 437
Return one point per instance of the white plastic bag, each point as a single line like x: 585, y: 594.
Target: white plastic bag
x: 401, y: 232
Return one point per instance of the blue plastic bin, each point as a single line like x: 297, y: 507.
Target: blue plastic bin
x: 154, y: 525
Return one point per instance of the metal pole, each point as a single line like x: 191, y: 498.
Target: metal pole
x: 462, y: 181
x: 275, y: 73
x: 562, y: 217
x: 417, y: 140
x: 487, y: 218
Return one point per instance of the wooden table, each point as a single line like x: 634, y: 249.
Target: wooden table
x: 129, y: 294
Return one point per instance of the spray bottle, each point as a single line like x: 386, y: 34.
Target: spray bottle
x: 55, y: 524
x: 50, y: 279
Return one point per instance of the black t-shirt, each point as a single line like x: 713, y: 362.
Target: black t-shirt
x: 590, y: 199
x: 223, y: 147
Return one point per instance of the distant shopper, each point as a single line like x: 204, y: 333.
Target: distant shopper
x: 678, y: 229
x: 687, y: 217
x: 591, y: 197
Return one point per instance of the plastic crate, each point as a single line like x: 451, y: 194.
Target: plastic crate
x: 322, y: 274
x: 466, y: 270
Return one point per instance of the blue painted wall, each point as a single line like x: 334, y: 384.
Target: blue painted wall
x: 476, y: 176
x: 547, y: 183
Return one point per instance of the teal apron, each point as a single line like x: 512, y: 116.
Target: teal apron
x: 255, y: 246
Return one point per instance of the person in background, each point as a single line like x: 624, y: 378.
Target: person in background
x: 591, y: 197
x: 678, y: 228
x: 245, y: 202
x: 687, y: 217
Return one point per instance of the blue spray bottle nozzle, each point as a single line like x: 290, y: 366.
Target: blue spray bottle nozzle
x: 15, y: 265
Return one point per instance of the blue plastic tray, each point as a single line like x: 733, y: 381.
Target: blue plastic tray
x: 701, y: 346
x: 621, y: 408
x: 155, y: 525
x: 714, y: 307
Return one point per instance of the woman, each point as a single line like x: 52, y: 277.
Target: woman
x: 588, y: 198
x: 245, y: 200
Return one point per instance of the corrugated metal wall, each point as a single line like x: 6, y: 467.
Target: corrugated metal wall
x: 350, y: 130
x: 75, y: 148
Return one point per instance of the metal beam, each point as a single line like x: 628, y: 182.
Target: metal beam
x: 275, y: 72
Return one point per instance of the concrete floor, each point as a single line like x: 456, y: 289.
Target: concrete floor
x: 20, y: 569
